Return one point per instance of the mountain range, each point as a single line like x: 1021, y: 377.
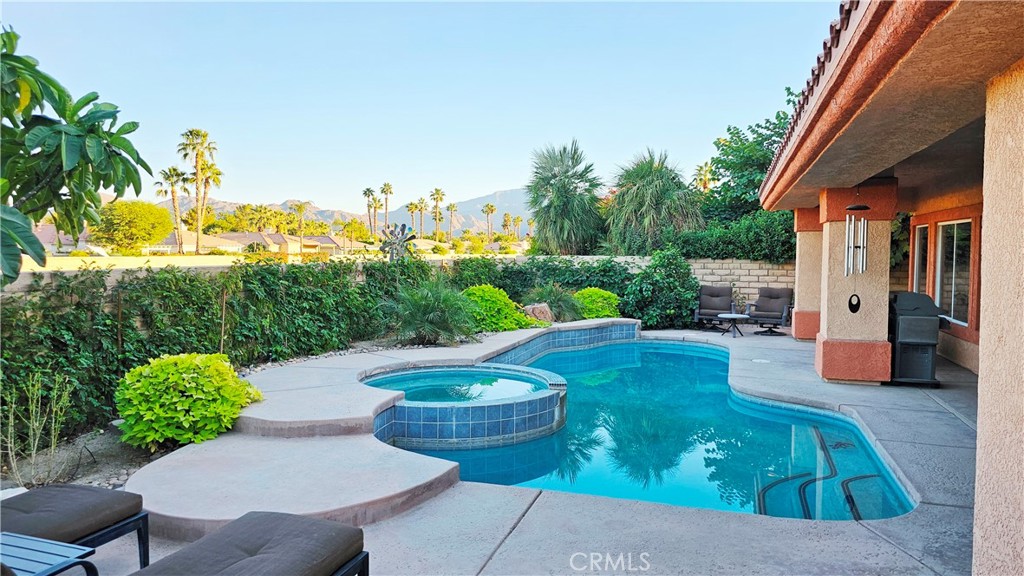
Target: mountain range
x: 468, y: 216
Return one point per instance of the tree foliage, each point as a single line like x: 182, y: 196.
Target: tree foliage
x: 127, y: 225
x: 562, y: 194
x: 55, y: 164
x: 651, y: 198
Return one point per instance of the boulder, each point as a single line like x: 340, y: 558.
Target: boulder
x: 540, y: 312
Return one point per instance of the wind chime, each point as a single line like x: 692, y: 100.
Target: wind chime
x: 856, y: 247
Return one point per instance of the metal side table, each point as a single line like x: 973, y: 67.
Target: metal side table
x: 30, y: 556
x: 732, y: 318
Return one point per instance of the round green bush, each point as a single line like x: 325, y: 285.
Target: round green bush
x: 181, y: 399
x: 495, y: 311
x: 439, y: 249
x: 597, y: 303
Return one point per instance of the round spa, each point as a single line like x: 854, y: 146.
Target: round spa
x: 463, y: 407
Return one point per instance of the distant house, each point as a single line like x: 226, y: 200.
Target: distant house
x: 57, y: 242
x: 334, y: 245
x: 253, y: 241
x: 207, y: 243
x: 289, y: 244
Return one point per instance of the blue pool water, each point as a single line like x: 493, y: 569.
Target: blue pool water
x: 656, y: 421
x: 458, y: 384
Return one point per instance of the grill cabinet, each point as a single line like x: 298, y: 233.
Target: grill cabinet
x: 914, y: 324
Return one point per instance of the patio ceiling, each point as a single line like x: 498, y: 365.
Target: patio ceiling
x: 920, y: 119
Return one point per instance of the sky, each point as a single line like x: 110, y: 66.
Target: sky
x: 317, y: 101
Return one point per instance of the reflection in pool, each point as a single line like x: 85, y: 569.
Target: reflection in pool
x: 657, y: 422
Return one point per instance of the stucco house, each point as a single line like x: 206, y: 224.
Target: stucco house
x: 918, y: 106
x: 207, y: 243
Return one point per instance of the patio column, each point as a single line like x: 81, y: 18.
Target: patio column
x: 999, y: 498
x: 851, y: 343
x: 807, y: 292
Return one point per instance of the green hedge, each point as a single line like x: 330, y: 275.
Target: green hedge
x: 760, y: 235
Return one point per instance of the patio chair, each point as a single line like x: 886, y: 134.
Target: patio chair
x: 714, y: 300
x: 771, y: 309
x: 74, y: 514
x: 271, y: 544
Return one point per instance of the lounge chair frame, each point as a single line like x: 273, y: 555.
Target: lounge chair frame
x: 139, y: 523
x: 358, y: 566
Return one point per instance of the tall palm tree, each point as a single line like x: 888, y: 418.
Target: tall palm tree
x: 651, y: 199
x: 263, y: 217
x: 437, y: 196
x: 421, y: 206
x: 487, y: 210
x: 506, y: 224
x: 377, y: 206
x: 386, y: 191
x: 518, y: 223
x: 563, y: 196
x: 452, y: 209
x: 211, y: 177
x: 412, y: 208
x: 300, y: 211
x: 173, y: 178
x: 529, y: 226
x: 369, y: 194
x: 197, y: 147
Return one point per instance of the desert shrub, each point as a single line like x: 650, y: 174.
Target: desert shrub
x: 759, y: 235
x: 505, y: 248
x: 431, y: 312
x: 563, y: 307
x: 518, y: 278
x: 266, y: 257
x: 494, y: 311
x: 664, y: 294
x: 79, y: 254
x: 476, y: 246
x: 439, y: 249
x: 33, y: 417
x: 313, y: 257
x: 458, y: 246
x: 217, y: 252
x: 181, y: 399
x: 475, y: 271
x: 597, y: 303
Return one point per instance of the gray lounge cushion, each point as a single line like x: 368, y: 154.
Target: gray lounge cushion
x: 265, y: 544
x: 715, y: 300
x: 771, y: 303
x: 66, y: 512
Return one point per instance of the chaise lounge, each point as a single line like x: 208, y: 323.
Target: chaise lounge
x: 714, y: 300
x: 271, y: 544
x: 74, y: 514
x: 771, y: 309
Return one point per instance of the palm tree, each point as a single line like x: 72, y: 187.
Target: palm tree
x: 452, y: 209
x: 506, y: 224
x: 263, y: 217
x: 563, y: 196
x: 412, y: 208
x: 377, y: 205
x: 197, y: 147
x: 173, y: 177
x: 300, y: 211
x: 529, y: 227
x: 369, y: 194
x: 421, y: 206
x: 437, y: 196
x: 518, y: 223
x: 487, y: 210
x: 651, y: 199
x: 386, y: 191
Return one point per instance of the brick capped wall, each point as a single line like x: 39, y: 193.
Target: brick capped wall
x: 746, y: 276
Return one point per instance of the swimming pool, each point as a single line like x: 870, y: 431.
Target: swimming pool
x: 458, y: 384
x: 657, y: 421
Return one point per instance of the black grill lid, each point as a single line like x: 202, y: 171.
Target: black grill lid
x: 913, y: 304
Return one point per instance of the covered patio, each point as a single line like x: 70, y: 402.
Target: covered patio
x: 918, y: 107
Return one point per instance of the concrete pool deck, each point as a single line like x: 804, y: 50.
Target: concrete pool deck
x: 420, y: 520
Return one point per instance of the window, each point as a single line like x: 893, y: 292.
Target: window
x: 921, y: 259
x: 953, y: 270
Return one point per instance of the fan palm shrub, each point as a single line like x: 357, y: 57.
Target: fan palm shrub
x: 651, y: 199
x: 431, y: 312
x: 562, y: 194
x: 561, y: 302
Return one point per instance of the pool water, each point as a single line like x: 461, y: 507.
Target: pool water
x: 457, y: 385
x: 656, y: 421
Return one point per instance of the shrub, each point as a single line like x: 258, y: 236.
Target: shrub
x: 760, y: 235
x: 474, y: 271
x: 439, y: 249
x: 597, y: 303
x: 505, y: 248
x: 33, y: 417
x: 664, y: 294
x: 476, y: 246
x: 181, y: 399
x: 79, y: 254
x: 494, y: 311
x: 218, y: 252
x: 458, y: 246
x: 312, y: 257
x: 430, y: 313
x: 563, y: 307
x: 266, y: 257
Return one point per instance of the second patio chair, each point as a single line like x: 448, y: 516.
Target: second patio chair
x: 771, y: 309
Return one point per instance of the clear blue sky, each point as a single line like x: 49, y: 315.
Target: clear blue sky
x: 318, y: 101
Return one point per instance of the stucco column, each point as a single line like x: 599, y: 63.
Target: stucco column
x: 807, y: 291
x: 851, y: 343
x: 999, y: 497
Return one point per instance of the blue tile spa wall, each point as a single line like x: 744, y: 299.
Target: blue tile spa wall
x: 583, y: 337
x: 433, y: 426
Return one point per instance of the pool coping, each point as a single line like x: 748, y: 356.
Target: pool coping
x: 788, y: 377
